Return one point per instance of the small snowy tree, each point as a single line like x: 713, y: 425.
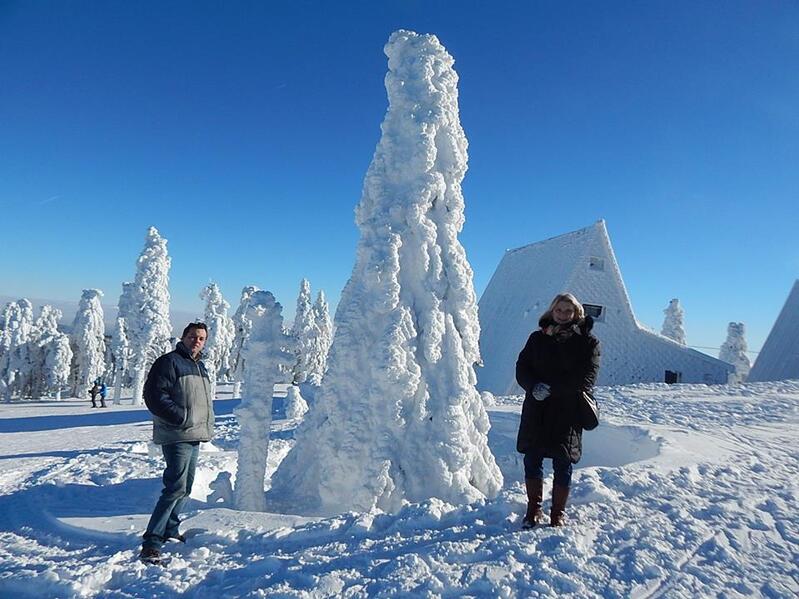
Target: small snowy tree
x: 149, y: 330
x: 52, y: 354
x: 55, y: 353
x: 220, y: 334
x: 303, y: 331
x: 88, y: 342
x: 320, y: 340
x: 56, y: 365
x: 270, y: 356
x: 296, y: 406
x: 398, y: 417
x: 121, y: 344
x: 673, y: 322
x: 242, y: 326
x: 15, y: 359
x: 733, y: 351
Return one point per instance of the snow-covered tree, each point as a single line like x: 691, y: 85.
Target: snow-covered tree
x: 733, y: 351
x: 242, y: 326
x: 398, y: 417
x: 296, y: 406
x: 88, y: 342
x: 121, y: 348
x: 15, y: 359
x: 148, y: 328
x: 53, y: 354
x: 121, y: 343
x: 270, y: 357
x: 320, y: 340
x: 673, y: 322
x: 303, y: 331
x: 220, y: 334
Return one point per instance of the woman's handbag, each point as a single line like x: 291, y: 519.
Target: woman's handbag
x: 589, y: 411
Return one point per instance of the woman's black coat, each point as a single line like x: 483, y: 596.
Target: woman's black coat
x: 569, y: 367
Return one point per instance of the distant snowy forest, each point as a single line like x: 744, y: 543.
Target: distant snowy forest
x: 41, y: 358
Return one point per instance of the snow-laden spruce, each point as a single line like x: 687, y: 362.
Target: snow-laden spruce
x: 149, y: 329
x: 303, y: 331
x: 269, y: 354
x: 216, y: 355
x: 241, y: 325
x: 398, y: 417
x: 88, y: 342
x: 15, y: 359
x: 120, y: 344
x: 296, y: 406
x: 733, y: 351
x: 52, y: 354
x: 320, y: 340
x: 673, y: 322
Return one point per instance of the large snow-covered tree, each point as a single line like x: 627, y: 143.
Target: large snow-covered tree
x: 221, y: 332
x: 733, y: 351
x: 320, y: 340
x: 270, y: 357
x: 241, y: 325
x: 303, y: 331
x: 398, y: 417
x: 15, y: 359
x: 673, y: 322
x: 88, y: 342
x: 148, y: 328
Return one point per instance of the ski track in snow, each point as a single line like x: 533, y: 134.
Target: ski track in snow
x: 713, y: 514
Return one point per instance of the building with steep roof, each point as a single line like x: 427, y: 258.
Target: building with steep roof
x: 581, y: 262
x: 779, y: 358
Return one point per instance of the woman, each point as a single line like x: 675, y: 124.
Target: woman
x: 558, y: 363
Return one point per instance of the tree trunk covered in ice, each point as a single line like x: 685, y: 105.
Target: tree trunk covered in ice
x: 398, y: 417
x: 270, y: 357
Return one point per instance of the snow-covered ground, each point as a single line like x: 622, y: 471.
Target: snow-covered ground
x: 684, y: 491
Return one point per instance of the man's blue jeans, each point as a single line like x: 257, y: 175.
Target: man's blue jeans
x: 181, y: 461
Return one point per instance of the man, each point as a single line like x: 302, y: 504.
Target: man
x: 178, y: 393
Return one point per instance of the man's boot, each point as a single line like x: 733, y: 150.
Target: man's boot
x: 559, y: 497
x: 535, y: 494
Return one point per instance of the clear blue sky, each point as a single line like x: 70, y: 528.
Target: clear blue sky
x: 243, y: 130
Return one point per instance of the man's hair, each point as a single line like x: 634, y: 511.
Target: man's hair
x: 194, y: 325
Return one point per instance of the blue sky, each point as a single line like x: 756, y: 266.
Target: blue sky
x: 243, y: 131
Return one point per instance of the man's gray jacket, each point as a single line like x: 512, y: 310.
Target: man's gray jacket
x: 178, y: 393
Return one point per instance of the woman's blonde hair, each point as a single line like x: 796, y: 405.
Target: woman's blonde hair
x: 579, y: 311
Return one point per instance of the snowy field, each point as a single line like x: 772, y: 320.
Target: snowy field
x: 684, y: 491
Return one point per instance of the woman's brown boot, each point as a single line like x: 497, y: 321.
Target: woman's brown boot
x: 559, y: 497
x: 535, y: 495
